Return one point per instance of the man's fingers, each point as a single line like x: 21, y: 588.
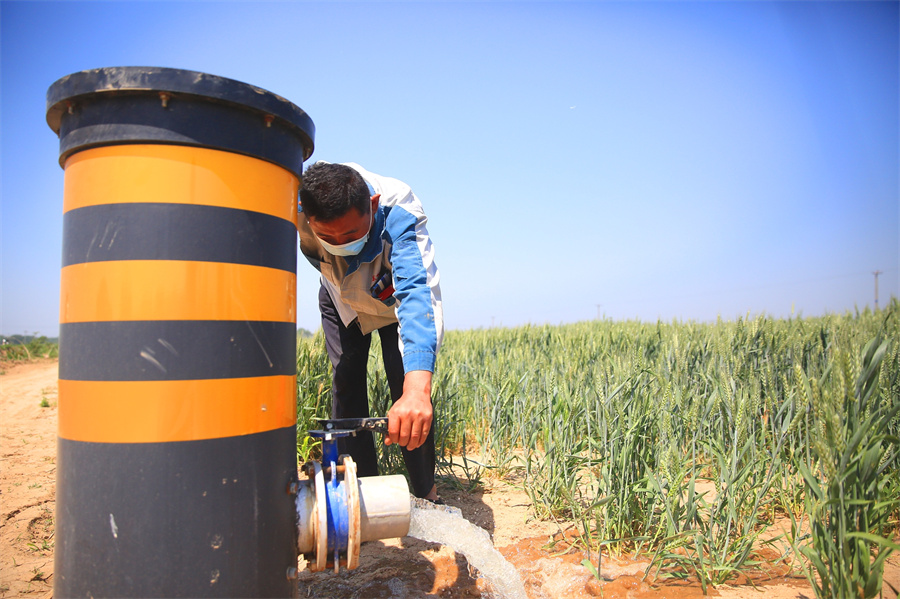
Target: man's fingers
x: 393, y: 435
x: 424, y: 436
x: 405, y: 432
x: 415, y: 438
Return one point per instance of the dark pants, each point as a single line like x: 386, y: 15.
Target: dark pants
x: 348, y: 350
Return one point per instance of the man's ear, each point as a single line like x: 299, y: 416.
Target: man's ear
x: 375, y: 199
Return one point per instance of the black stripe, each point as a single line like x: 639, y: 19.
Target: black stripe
x: 145, y: 231
x: 176, y: 350
x: 207, y: 518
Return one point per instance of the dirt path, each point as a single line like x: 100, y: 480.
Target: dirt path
x: 392, y: 568
x: 27, y: 478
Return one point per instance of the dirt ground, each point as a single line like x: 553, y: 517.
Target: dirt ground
x: 27, y: 478
x: 404, y: 567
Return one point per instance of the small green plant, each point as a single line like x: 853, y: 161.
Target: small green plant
x: 307, y: 448
x: 590, y: 567
x: 847, y: 505
x: 45, y: 546
x: 45, y: 403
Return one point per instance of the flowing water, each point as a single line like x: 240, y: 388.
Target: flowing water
x: 445, y: 525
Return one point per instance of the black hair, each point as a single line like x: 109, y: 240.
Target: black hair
x: 330, y: 190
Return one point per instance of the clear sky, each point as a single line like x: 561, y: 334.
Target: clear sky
x: 628, y: 159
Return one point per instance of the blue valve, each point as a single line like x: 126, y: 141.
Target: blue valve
x: 340, y: 513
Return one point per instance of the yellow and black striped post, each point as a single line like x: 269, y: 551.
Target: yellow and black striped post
x: 177, y: 367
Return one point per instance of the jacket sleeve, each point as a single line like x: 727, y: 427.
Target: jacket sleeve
x: 416, y: 286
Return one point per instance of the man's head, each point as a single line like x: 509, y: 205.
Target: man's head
x: 337, y: 205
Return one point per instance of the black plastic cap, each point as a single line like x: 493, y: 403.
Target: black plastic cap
x: 129, y: 105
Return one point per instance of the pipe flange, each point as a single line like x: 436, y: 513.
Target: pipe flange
x: 353, y: 515
x: 321, y: 518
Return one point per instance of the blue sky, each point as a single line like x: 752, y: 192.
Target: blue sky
x: 631, y: 159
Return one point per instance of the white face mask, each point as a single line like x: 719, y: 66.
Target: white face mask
x: 351, y: 248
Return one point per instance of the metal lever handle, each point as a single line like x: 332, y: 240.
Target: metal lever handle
x: 355, y: 424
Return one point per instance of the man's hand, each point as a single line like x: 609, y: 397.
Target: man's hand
x: 409, y: 419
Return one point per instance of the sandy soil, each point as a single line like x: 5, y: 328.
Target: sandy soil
x: 27, y: 478
x: 404, y: 567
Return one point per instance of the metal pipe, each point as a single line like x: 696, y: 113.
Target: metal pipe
x: 384, y: 508
x: 177, y: 368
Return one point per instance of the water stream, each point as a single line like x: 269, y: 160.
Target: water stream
x: 445, y: 525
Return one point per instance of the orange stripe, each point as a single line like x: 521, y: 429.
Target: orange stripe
x: 163, y: 411
x: 178, y: 175
x: 175, y: 290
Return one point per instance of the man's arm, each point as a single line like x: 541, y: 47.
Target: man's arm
x: 417, y: 289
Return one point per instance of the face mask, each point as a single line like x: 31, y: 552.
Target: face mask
x: 346, y: 249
